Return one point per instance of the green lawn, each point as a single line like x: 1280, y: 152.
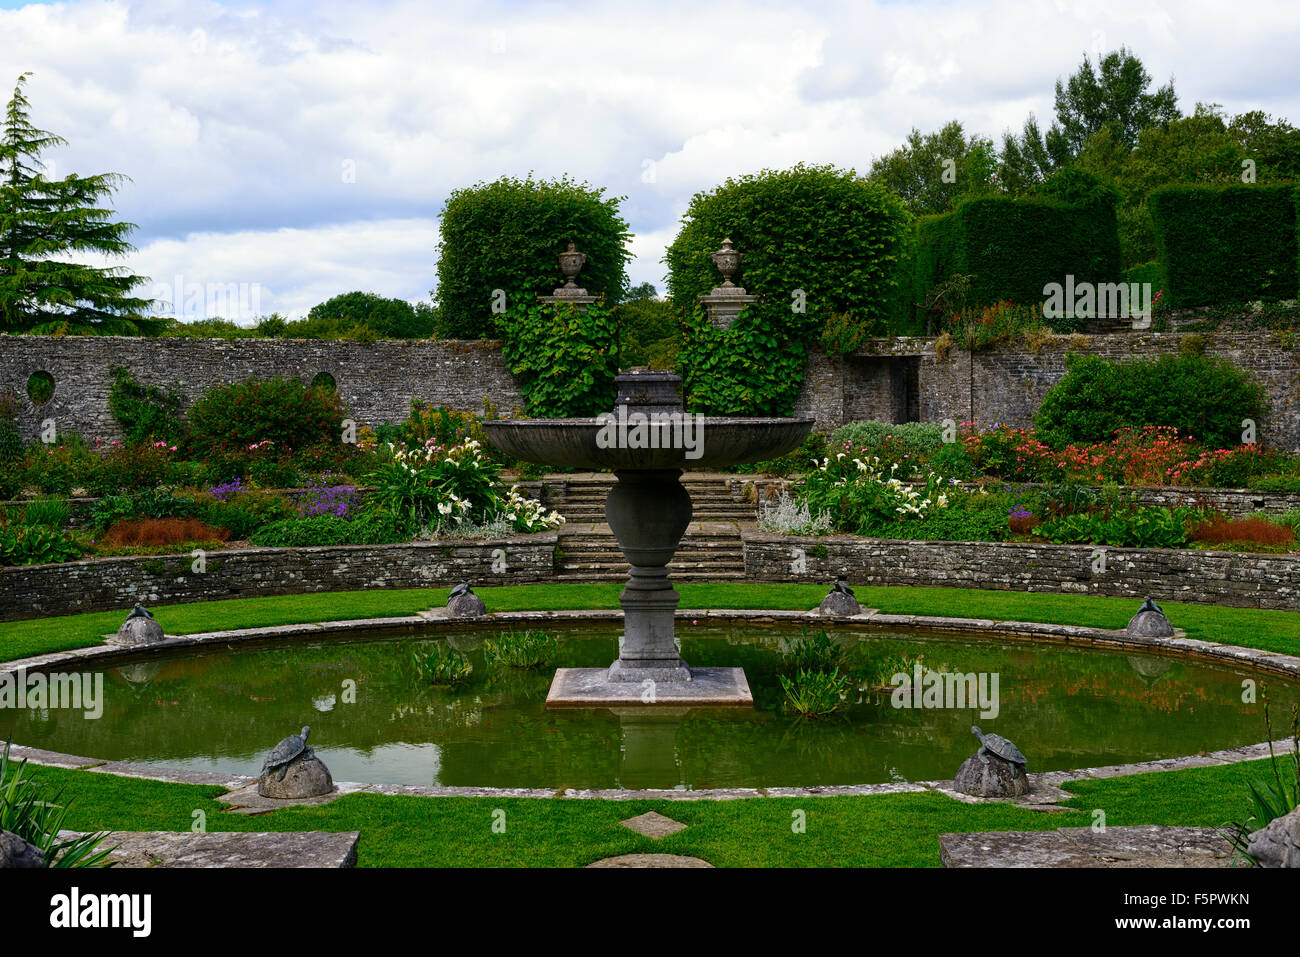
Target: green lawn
x: 1269, y: 630
x: 886, y: 831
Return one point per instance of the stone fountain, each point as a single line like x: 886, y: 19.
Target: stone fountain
x: 647, y: 441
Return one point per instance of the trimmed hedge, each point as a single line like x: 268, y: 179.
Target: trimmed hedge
x: 1226, y: 244
x: 826, y: 231
x: 1014, y: 247
x: 507, y: 234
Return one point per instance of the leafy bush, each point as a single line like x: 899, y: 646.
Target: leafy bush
x: 11, y: 440
x: 287, y: 412
x: 245, y: 511
x: 1233, y: 243
x: 508, y: 234
x: 523, y: 649
x: 921, y: 440
x: 144, y: 413
x: 36, y: 545
x: 47, y: 511
x: 862, y: 495
x: 1198, y: 395
x: 789, y: 516
x: 649, y: 332
x: 822, y: 230
x: 815, y: 652
x: 127, y: 468
x: 146, y: 503
x: 431, y: 485
x: 815, y: 694
x: 58, y: 469
x: 372, y: 529
x: 1143, y: 527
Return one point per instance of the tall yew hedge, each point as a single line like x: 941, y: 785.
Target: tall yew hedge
x: 507, y: 234
x: 819, y: 229
x: 1014, y: 247
x: 1226, y: 244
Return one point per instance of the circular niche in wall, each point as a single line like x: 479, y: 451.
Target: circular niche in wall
x: 323, y: 380
x: 40, y: 387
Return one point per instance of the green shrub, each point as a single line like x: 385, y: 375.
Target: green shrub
x: 1145, y: 272
x: 57, y: 469
x: 146, y: 503
x: 815, y: 652
x: 822, y: 230
x: 1234, y: 243
x: 649, y: 332
x: 1199, y: 395
x: 144, y: 413
x: 321, y: 530
x: 1143, y: 527
x: 287, y: 412
x: 11, y: 439
x: 39, y: 816
x: 507, y: 234
x: 36, y: 545
x: 47, y: 511
x: 1012, y: 248
x: 246, y: 511
x: 920, y: 439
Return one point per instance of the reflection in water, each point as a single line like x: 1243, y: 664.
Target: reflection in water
x: 374, y: 719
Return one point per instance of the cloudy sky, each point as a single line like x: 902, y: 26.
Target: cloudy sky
x: 307, y: 148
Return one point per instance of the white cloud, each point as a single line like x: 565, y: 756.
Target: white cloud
x: 234, y: 121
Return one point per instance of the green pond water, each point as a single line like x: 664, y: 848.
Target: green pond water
x: 373, y: 719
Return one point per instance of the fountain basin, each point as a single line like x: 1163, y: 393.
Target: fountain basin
x: 575, y: 443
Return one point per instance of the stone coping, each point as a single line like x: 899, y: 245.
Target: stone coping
x: 1047, y: 785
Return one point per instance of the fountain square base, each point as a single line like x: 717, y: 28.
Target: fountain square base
x: 592, y: 688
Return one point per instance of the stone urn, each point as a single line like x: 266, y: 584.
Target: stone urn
x: 571, y: 263
x: 727, y: 259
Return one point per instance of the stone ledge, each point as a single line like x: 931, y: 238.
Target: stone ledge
x: 1123, y: 847
x: 231, y: 848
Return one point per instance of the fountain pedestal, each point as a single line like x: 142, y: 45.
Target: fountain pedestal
x: 647, y: 442
x: 649, y: 511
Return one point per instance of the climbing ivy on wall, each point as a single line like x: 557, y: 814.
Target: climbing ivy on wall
x: 817, y: 241
x: 565, y: 359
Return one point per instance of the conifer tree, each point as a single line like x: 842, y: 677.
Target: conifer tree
x: 45, y: 225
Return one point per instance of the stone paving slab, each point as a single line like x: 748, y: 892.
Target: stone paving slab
x: 651, y: 861
x: 232, y: 849
x: 653, y: 825
x: 1119, y: 847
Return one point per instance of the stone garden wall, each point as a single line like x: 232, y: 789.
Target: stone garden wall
x: 375, y: 380
x: 105, y: 584
x: 1219, y: 578
x: 1006, y: 384
x: 891, y: 380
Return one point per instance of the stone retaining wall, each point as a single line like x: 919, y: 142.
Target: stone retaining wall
x: 32, y: 591
x: 1205, y: 577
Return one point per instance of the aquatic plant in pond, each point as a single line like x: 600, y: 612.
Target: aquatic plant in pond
x: 523, y: 649
x: 443, y: 666
x: 815, y: 694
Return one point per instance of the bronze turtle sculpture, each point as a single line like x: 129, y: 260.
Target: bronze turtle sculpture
x: 284, y: 753
x: 1004, y: 749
